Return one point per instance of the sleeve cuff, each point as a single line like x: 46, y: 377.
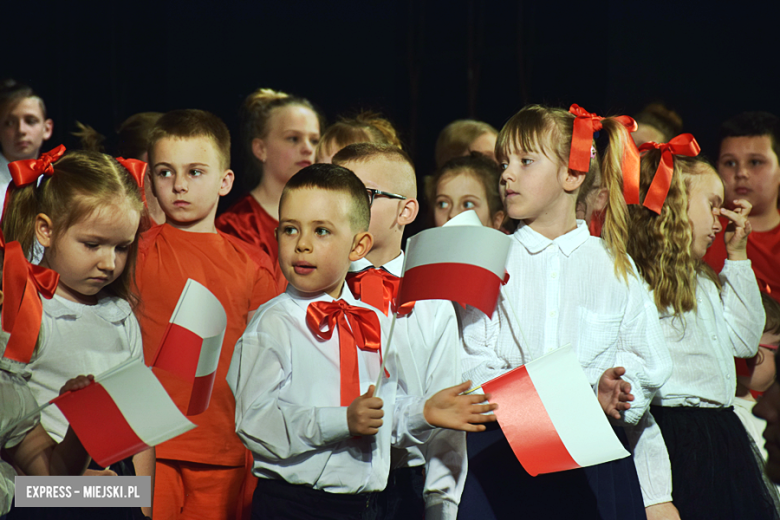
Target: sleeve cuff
x: 439, y: 508
x: 333, y: 424
x: 418, y: 426
x: 655, y: 501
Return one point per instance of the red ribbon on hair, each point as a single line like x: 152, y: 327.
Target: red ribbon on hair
x: 379, y: 289
x: 22, y: 307
x: 683, y: 144
x: 136, y: 168
x: 357, y: 326
x: 585, y: 125
x: 27, y: 171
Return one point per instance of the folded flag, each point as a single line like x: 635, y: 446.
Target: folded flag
x: 459, y: 262
x: 124, y: 412
x: 192, y: 343
x: 551, y: 417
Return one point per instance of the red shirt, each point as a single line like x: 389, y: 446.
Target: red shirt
x: 247, y: 220
x: 167, y: 258
x: 763, y: 250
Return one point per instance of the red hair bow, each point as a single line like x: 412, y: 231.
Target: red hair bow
x: 585, y: 125
x: 683, y: 144
x: 22, y: 307
x: 27, y: 171
x: 357, y: 326
x: 136, y: 168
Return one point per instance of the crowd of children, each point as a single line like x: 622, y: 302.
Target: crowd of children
x: 332, y: 400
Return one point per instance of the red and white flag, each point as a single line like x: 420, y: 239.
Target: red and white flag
x: 459, y: 262
x: 124, y: 412
x: 551, y: 417
x: 192, y: 343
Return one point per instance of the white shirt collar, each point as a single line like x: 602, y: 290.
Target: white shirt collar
x: 536, y: 242
x: 394, y: 266
x: 303, y: 300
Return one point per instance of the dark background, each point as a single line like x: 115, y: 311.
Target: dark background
x: 421, y: 63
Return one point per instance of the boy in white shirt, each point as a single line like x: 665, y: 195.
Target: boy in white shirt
x: 425, y: 481
x: 319, y: 449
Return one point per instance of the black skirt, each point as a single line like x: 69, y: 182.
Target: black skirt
x: 717, y: 471
x: 497, y: 486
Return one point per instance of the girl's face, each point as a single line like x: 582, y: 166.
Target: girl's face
x: 293, y: 134
x: 90, y: 254
x: 458, y: 192
x: 704, y: 201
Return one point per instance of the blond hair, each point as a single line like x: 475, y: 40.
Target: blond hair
x: 456, y: 138
x: 189, y: 124
x: 546, y: 130
x: 83, y: 182
x: 365, y: 127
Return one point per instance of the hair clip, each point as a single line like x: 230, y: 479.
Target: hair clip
x: 592, y: 152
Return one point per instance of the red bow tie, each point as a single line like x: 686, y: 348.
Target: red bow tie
x: 379, y: 289
x: 358, y: 327
x: 22, y: 307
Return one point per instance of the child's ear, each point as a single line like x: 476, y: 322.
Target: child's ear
x: 44, y: 229
x: 409, y: 210
x: 361, y: 245
x: 48, y: 128
x: 259, y: 150
x: 227, y: 182
x: 498, y: 219
x: 572, y: 180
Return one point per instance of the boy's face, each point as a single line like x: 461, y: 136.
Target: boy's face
x: 23, y: 130
x: 316, y: 240
x: 750, y: 170
x: 378, y: 173
x: 188, y: 180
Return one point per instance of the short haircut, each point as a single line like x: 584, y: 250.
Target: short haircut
x: 364, y: 152
x: 11, y: 92
x: 456, y: 138
x: 772, y: 311
x: 753, y: 124
x: 365, y: 127
x: 665, y: 120
x: 191, y: 123
x: 330, y: 177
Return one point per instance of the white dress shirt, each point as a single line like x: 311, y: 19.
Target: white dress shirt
x: 565, y: 291
x: 5, y: 178
x: 286, y: 382
x: 703, y: 343
x: 75, y: 340
x: 429, y: 360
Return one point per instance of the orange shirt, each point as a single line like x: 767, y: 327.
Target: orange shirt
x: 763, y: 250
x: 167, y: 258
x: 247, y: 220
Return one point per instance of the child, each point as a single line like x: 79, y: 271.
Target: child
x: 23, y: 128
x: 467, y: 183
x: 85, y: 214
x: 28, y: 446
x: 318, y: 448
x: 461, y: 138
x: 281, y: 133
x: 748, y: 164
x: 707, y: 320
x: 366, y: 127
x: 768, y: 409
x: 568, y: 288
x: 762, y: 373
x: 656, y: 123
x: 203, y: 470
x: 425, y: 481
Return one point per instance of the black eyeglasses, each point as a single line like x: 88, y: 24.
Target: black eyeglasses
x: 373, y: 192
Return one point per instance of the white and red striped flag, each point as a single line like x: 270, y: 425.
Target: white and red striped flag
x: 460, y: 262
x: 551, y: 417
x: 124, y: 412
x: 192, y: 343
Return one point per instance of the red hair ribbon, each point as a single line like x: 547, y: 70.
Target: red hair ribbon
x: 22, y: 307
x: 379, y: 289
x: 27, y: 171
x: 683, y: 144
x: 357, y: 326
x: 585, y: 125
x: 136, y: 168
